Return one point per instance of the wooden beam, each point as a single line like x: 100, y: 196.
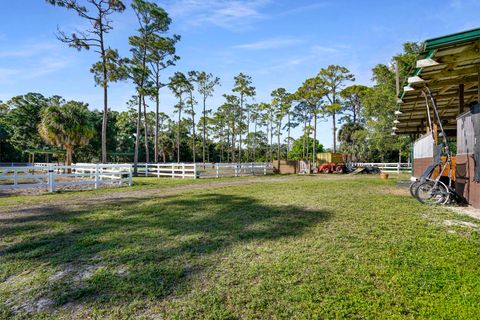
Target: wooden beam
x: 461, y: 98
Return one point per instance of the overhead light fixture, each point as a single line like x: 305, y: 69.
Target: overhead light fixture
x: 428, y: 62
x: 394, y: 128
x: 415, y: 79
x: 398, y: 112
x: 396, y: 121
x: 399, y: 101
x: 408, y: 88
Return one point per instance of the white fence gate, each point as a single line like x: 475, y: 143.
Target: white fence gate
x: 55, y: 177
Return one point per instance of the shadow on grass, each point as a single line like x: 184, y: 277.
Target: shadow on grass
x: 143, y: 249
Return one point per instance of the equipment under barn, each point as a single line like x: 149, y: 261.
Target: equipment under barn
x: 445, y: 86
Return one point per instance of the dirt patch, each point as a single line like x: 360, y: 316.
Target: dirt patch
x: 461, y: 224
x: 469, y: 211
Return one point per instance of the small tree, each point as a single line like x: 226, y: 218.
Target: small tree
x: 67, y: 126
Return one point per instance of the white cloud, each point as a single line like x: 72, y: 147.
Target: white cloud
x: 228, y: 14
x: 272, y: 43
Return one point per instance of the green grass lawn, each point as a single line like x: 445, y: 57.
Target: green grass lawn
x: 298, y: 247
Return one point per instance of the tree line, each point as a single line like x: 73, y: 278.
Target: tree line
x: 240, y: 129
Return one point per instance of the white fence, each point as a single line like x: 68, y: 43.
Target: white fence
x: 55, y: 177
x: 386, y: 167
x: 203, y: 170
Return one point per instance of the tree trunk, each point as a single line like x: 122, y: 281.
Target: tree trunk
x: 145, y: 124
x: 278, y: 142
x: 334, y: 117
x: 204, y: 127
x: 105, y: 99
x: 68, y: 159
x: 255, y: 143
x: 157, y: 102
x: 304, y: 133
x: 233, y: 142
x: 308, y: 138
x: 288, y: 140
x: 178, y: 132
x: 314, y: 155
x: 137, y: 137
x: 271, y: 139
x: 334, y: 132
x: 193, y: 130
x: 240, y: 131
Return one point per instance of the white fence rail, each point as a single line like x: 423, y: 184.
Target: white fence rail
x: 386, y: 167
x: 203, y: 170
x: 56, y: 177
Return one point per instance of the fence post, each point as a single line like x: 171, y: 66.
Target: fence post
x: 97, y: 182
x: 216, y: 169
x: 173, y: 171
x: 398, y: 167
x: 194, y: 171
x: 158, y: 170
x: 146, y: 170
x: 253, y: 168
x: 51, y: 181
x: 130, y: 176
x: 264, y: 169
x: 15, y: 177
x: 183, y: 170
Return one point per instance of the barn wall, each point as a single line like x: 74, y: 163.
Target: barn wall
x: 465, y: 184
x: 422, y: 154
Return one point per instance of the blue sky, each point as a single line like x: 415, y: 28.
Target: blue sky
x: 279, y: 43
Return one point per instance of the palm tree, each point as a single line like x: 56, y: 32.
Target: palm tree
x: 67, y: 126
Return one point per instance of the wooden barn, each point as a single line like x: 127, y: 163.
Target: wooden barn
x: 448, y: 71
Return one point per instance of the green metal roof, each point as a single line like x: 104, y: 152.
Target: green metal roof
x: 452, y: 39
x: 458, y: 62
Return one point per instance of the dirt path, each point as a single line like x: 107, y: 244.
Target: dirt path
x: 86, y: 200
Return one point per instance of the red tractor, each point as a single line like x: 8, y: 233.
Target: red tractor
x: 332, y: 167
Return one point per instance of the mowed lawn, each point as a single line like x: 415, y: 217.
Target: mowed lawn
x: 265, y: 248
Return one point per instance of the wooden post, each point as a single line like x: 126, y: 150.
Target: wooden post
x: 194, y: 171
x: 146, y: 169
x: 216, y: 169
x: 173, y: 171
x: 461, y: 98
x: 183, y: 170
x: 158, y: 170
